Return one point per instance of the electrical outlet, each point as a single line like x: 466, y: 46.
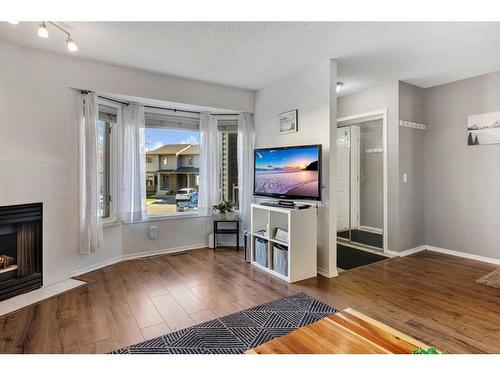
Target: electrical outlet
x: 405, y: 178
x: 153, y: 232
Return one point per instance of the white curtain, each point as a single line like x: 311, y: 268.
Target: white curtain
x: 209, y: 164
x: 133, y: 164
x: 90, y: 223
x: 246, y: 137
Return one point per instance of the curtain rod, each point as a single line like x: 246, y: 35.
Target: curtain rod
x: 165, y: 108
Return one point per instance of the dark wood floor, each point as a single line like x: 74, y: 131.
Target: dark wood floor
x: 429, y: 296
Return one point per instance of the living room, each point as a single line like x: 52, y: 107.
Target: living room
x: 253, y: 187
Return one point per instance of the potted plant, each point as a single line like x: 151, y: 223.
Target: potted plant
x: 223, y: 207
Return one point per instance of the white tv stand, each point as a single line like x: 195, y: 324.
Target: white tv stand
x: 301, y: 225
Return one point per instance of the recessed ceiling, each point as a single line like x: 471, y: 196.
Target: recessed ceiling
x: 253, y: 54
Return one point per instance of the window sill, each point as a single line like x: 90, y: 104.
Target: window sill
x: 110, y: 223
x: 168, y: 217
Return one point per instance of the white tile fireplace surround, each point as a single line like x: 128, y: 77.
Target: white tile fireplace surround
x: 55, y: 185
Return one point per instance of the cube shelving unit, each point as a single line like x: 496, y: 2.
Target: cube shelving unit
x: 301, y: 243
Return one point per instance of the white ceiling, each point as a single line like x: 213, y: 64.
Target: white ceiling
x: 253, y: 54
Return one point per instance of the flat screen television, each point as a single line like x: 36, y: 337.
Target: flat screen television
x: 288, y: 172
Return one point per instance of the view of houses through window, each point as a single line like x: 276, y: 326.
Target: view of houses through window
x: 172, y: 170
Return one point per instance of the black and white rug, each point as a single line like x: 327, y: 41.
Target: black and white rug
x: 238, y: 332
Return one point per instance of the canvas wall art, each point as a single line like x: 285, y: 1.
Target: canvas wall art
x: 483, y: 129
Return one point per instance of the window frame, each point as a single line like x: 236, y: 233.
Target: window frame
x: 170, y: 126
x: 111, y: 162
x: 224, y: 127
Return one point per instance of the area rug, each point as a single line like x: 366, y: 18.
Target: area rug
x: 492, y: 279
x: 238, y: 332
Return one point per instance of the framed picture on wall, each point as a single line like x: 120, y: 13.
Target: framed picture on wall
x: 483, y: 129
x: 288, y: 122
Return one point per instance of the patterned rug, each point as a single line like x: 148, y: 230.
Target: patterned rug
x: 238, y: 332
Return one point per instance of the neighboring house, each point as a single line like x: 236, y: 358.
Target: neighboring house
x: 172, y: 167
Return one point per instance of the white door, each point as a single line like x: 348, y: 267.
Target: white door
x: 343, y: 156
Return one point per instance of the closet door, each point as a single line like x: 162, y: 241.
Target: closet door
x: 343, y: 176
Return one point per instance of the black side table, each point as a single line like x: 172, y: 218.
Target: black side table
x: 218, y: 230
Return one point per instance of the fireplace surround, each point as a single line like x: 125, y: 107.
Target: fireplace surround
x: 20, y: 249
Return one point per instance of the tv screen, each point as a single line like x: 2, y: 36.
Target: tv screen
x: 288, y: 172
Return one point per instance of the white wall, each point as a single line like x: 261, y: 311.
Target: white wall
x: 38, y: 148
x: 309, y: 91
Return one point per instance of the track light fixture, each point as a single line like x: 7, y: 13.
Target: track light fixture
x: 72, y: 47
x: 42, y: 30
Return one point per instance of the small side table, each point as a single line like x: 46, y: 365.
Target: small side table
x: 218, y: 230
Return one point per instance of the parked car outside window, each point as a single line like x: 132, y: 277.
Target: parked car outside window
x: 184, y: 195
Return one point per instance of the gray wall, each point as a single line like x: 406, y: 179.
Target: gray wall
x: 462, y: 183
x: 371, y: 194
x: 411, y: 163
x: 381, y: 97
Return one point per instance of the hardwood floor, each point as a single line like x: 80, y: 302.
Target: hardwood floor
x: 429, y: 296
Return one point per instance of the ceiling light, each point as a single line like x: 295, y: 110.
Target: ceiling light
x: 42, y: 31
x: 339, y: 86
x: 72, y: 47
x: 13, y: 22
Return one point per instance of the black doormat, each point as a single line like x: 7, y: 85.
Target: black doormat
x: 349, y: 257
x: 364, y: 237
x: 238, y: 332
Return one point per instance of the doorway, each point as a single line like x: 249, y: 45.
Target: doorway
x: 362, y: 181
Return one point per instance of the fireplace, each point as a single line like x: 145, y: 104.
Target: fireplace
x: 20, y: 249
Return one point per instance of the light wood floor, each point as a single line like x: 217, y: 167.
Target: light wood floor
x: 345, y: 332
x: 429, y: 296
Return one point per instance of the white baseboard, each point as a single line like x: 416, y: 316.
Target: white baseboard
x: 444, y: 251
x: 121, y: 258
x: 371, y: 229
x: 325, y: 273
x: 463, y: 255
x: 406, y: 252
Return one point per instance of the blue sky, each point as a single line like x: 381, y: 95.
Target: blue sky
x: 158, y: 137
x: 283, y: 158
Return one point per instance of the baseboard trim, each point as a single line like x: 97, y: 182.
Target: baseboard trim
x: 463, y: 255
x: 406, y: 252
x: 444, y: 251
x: 146, y: 254
x: 371, y: 229
x: 325, y: 273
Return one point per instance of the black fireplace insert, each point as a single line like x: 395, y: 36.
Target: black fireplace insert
x: 20, y: 249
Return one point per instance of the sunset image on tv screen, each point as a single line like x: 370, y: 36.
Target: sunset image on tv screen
x: 291, y: 171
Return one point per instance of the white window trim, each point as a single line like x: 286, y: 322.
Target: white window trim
x: 112, y: 219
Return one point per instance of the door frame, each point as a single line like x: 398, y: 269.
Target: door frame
x: 380, y: 114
